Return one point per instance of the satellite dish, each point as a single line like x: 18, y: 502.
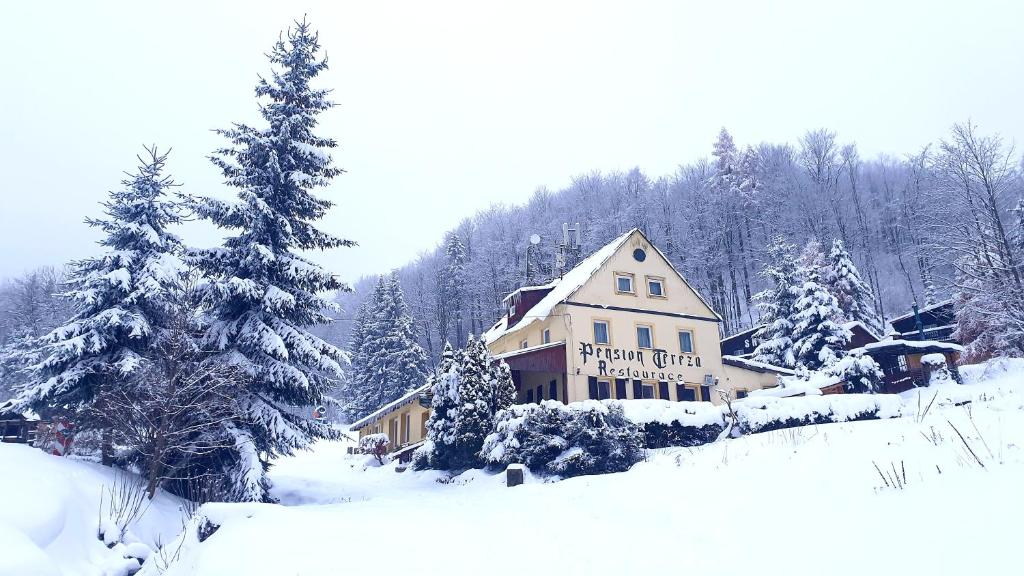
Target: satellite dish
x: 534, y: 239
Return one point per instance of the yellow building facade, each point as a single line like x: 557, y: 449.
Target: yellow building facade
x: 622, y: 324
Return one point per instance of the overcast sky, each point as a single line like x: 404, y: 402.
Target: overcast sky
x: 446, y: 108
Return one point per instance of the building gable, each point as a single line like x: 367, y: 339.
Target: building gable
x: 637, y: 259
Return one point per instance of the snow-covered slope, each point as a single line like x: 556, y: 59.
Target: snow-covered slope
x: 49, y: 510
x: 896, y: 496
x: 901, y: 496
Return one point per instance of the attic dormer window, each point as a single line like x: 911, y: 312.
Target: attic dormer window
x: 512, y: 310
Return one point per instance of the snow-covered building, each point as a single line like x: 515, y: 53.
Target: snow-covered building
x: 403, y: 420
x: 900, y: 361
x: 623, y: 324
x: 938, y: 322
x: 742, y: 344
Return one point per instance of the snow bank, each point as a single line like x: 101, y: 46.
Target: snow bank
x: 49, y: 517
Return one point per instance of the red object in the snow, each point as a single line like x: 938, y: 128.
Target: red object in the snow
x: 61, y: 437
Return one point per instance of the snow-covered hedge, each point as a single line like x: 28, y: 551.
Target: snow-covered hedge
x: 567, y: 440
x: 666, y: 423
x: 765, y: 413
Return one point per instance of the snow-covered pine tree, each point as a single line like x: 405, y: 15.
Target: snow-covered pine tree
x: 390, y: 363
x: 843, y: 280
x: 775, y: 338
x: 811, y: 259
x: 349, y: 394
x: 262, y: 294
x: 451, y: 290
x: 126, y: 297
x: 439, y: 449
x: 485, y: 387
x: 819, y: 341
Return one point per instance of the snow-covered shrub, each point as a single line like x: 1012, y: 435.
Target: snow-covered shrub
x: 765, y: 413
x: 666, y: 423
x: 935, y: 369
x: 859, y: 372
x: 587, y: 437
x: 376, y: 445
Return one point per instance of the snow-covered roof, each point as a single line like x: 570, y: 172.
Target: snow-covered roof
x: 921, y: 344
x: 852, y: 324
x: 570, y: 282
x: 573, y: 280
x: 528, y: 350
x: 922, y: 310
x: 743, y: 333
x: 754, y: 365
x: 385, y: 409
x: 547, y: 286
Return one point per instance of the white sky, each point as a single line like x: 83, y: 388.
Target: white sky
x: 446, y: 108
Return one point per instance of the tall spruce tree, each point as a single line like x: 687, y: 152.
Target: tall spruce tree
x: 854, y: 296
x: 819, y: 341
x: 777, y: 303
x: 390, y: 362
x: 451, y: 290
x: 262, y: 295
x: 126, y: 297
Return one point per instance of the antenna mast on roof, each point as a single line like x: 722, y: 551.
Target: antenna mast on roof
x: 568, y: 254
x: 532, y: 261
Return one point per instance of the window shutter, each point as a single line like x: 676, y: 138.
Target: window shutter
x: 680, y: 392
x: 638, y: 389
x: 620, y: 388
x: 705, y: 393
x: 663, y: 390
x: 592, y: 384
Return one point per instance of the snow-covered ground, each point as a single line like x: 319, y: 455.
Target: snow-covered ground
x: 808, y: 500
x: 49, y: 511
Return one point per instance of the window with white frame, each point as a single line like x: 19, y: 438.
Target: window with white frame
x: 601, y: 334
x: 655, y: 287
x: 685, y: 342
x: 643, y: 337
x: 547, y: 336
x: 624, y: 283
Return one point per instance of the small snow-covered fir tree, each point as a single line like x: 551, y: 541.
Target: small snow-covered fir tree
x: 775, y: 338
x: 263, y: 294
x: 390, y: 361
x: 469, y: 389
x: 126, y: 298
x: 819, y: 341
x: 854, y: 296
x: 445, y: 402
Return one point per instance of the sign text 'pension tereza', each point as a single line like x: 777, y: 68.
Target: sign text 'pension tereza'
x: 623, y: 363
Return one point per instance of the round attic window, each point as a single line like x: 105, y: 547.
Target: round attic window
x: 639, y: 255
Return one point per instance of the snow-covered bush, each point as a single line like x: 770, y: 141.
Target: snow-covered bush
x: 935, y: 369
x: 587, y: 437
x: 859, y: 372
x: 375, y: 444
x: 766, y: 413
x: 666, y: 423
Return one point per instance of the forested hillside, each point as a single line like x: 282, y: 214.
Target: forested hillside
x: 715, y: 216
